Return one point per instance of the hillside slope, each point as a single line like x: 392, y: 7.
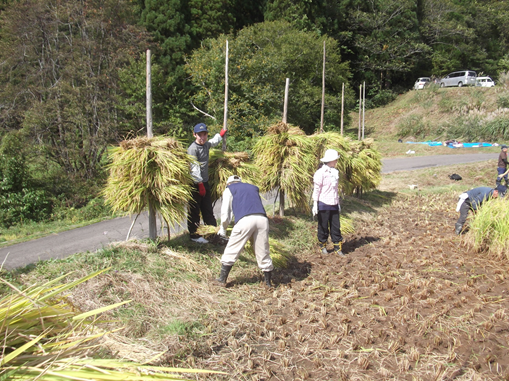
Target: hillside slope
x: 436, y: 113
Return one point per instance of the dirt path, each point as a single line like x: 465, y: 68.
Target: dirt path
x: 408, y: 302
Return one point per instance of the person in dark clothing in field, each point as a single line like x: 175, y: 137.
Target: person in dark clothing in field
x: 502, y: 166
x: 473, y: 199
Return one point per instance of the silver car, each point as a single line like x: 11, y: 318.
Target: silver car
x: 459, y: 78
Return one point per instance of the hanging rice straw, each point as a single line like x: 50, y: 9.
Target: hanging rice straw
x: 285, y: 159
x: 225, y: 164
x: 155, y: 170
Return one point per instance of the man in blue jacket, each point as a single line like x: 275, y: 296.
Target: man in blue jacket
x: 473, y: 199
x: 251, y: 223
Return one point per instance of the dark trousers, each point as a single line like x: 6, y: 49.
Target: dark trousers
x: 499, y: 179
x: 464, y: 209
x: 199, y: 205
x: 328, y: 222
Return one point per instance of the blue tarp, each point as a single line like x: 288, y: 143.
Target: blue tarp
x: 450, y: 145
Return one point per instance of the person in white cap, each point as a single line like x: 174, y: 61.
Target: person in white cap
x: 326, y: 202
x: 251, y: 223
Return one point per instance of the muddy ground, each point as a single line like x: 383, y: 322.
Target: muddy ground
x: 409, y: 301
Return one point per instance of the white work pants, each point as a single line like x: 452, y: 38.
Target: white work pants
x: 256, y: 228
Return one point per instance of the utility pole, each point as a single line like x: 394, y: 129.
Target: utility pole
x: 342, y: 105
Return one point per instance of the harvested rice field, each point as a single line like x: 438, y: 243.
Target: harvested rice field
x: 409, y: 301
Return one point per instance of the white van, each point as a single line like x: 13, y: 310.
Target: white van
x: 484, y: 82
x: 459, y: 78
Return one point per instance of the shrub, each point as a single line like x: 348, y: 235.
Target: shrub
x: 413, y: 125
x: 503, y: 101
x: 381, y: 98
x: 27, y: 205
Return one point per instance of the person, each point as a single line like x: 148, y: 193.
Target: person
x: 251, y: 223
x: 201, y: 201
x: 326, y: 202
x: 473, y: 199
x: 502, y: 166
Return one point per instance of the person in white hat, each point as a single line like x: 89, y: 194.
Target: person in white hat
x: 251, y: 223
x: 326, y: 203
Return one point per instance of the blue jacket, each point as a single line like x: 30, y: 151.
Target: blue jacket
x: 478, y: 195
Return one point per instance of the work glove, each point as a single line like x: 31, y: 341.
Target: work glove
x: 221, y: 232
x: 201, y: 189
x: 315, y: 208
x: 222, y: 132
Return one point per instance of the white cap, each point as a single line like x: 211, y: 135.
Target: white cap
x: 233, y: 178
x: 330, y: 155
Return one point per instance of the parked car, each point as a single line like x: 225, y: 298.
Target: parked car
x: 421, y: 82
x: 459, y: 78
x: 484, y: 82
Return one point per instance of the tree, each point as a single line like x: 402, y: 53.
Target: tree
x: 60, y: 81
x: 261, y: 58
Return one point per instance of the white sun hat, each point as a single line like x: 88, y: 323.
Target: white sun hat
x: 233, y: 178
x: 330, y: 155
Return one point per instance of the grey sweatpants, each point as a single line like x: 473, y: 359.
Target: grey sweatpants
x: 256, y: 228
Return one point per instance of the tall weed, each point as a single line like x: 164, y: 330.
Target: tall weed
x: 489, y: 228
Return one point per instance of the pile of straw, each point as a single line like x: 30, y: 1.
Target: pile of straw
x: 278, y: 252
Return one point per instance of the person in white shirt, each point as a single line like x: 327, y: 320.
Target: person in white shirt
x: 251, y: 223
x: 326, y: 202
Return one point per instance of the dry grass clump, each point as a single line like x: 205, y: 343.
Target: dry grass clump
x: 285, y: 158
x: 149, y: 172
x: 225, y: 164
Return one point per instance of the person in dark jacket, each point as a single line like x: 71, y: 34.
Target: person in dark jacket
x: 251, y: 223
x: 473, y: 199
x: 201, y: 201
x: 502, y: 166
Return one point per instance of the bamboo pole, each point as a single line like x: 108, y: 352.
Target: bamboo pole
x: 152, y: 221
x: 285, y: 106
x: 225, y: 119
x: 285, y: 113
x: 323, y: 90
x: 342, y: 106
x: 149, y: 97
x: 360, y: 109
x: 363, y: 107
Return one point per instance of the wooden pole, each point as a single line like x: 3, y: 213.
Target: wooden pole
x: 360, y: 109
x: 323, y: 90
x: 152, y: 221
x: 363, y: 107
x: 149, y: 97
x: 285, y: 106
x: 225, y: 119
x: 342, y: 106
x: 285, y: 113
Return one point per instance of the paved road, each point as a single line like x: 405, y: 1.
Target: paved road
x: 93, y: 237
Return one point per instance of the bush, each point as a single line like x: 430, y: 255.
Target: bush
x: 413, y: 125
x: 503, y: 101
x: 381, y: 98
x: 27, y: 205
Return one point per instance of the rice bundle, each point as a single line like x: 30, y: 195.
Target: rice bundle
x: 285, y: 159
x: 225, y: 164
x: 363, y: 167
x: 207, y: 231
x: 278, y: 253
x: 147, y: 172
x: 346, y: 225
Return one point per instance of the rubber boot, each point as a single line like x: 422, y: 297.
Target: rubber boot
x: 458, y: 228
x: 221, y: 281
x: 338, y: 246
x: 268, y: 276
x: 323, y: 247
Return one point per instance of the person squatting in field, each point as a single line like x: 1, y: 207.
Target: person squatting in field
x: 201, y: 201
x: 251, y: 223
x: 473, y: 199
x: 326, y: 202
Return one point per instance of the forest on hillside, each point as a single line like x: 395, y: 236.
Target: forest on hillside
x: 73, y: 73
